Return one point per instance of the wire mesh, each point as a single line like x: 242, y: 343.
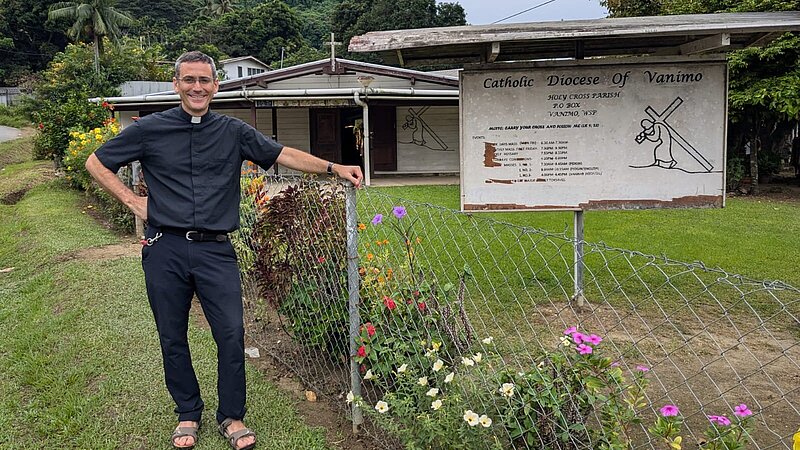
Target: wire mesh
x: 468, y: 337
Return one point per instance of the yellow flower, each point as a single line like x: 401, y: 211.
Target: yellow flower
x: 676, y: 443
x: 361, y: 227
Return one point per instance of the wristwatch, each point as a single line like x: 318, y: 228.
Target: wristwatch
x: 330, y: 168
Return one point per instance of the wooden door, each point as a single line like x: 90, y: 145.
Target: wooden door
x: 326, y: 140
x: 383, y: 145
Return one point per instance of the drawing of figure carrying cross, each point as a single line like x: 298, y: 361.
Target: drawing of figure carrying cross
x: 656, y: 129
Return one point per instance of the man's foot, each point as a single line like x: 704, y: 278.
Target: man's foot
x: 185, y: 435
x: 239, y: 436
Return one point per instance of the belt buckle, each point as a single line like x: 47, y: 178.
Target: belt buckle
x: 187, y: 235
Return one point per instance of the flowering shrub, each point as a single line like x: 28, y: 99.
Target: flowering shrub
x: 252, y: 202
x: 431, y: 404
x: 401, y: 306
x: 721, y: 434
x: 550, y: 405
x: 83, y: 143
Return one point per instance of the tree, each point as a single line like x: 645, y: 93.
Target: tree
x: 355, y: 17
x: 93, y: 20
x: 34, y: 39
x: 260, y: 31
x: 216, y: 8
x: 764, y: 89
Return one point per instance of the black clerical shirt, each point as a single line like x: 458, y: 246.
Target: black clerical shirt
x: 192, y: 170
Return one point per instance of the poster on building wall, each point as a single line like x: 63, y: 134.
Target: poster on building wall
x: 585, y: 137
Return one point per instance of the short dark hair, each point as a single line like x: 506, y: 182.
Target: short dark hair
x: 195, y: 56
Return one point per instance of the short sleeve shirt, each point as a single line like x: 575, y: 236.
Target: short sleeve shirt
x: 192, y: 170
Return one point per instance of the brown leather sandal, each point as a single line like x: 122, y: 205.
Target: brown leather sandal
x: 234, y: 437
x: 185, y: 432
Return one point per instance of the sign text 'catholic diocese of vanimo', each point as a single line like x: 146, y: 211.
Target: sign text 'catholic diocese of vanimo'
x: 594, y: 137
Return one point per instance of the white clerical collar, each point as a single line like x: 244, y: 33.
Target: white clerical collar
x: 196, y: 119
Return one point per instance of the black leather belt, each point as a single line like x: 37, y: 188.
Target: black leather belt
x: 197, y: 235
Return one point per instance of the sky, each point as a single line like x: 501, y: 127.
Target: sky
x: 482, y: 12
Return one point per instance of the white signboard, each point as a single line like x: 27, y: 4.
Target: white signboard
x: 584, y: 137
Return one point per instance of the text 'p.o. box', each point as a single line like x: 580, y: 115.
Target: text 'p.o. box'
x: 582, y: 136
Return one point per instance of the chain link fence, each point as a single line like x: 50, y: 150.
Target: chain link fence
x: 451, y: 330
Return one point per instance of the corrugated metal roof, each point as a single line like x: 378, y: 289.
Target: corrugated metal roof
x: 655, y: 35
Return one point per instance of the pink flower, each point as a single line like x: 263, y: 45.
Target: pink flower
x: 584, y: 349
x: 321, y: 259
x: 570, y: 330
x: 669, y: 411
x: 593, y: 339
x: 421, y: 306
x: 389, y: 303
x: 399, y: 212
x: 742, y: 411
x: 615, y: 364
x: 377, y: 219
x: 578, y: 337
x: 370, y: 329
x: 641, y: 368
x: 720, y: 420
x: 362, y: 351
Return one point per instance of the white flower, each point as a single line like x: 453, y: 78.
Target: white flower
x: 467, y: 362
x: 540, y: 366
x: 507, y: 389
x: 485, y: 421
x: 402, y: 369
x: 566, y: 341
x: 430, y: 353
x: 423, y: 381
x: 449, y: 377
x: 488, y: 340
x: 436, y: 404
x: 432, y: 392
x: 437, y: 366
x: 381, y: 406
x: 477, y: 357
x: 350, y: 397
x: 369, y: 375
x: 471, y: 418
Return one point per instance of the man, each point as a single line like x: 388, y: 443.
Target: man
x: 191, y: 159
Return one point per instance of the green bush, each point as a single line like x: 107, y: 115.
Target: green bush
x: 83, y: 143
x: 14, y: 116
x: 300, y: 238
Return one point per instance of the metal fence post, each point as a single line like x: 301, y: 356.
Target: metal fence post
x: 353, y: 282
x: 578, y: 222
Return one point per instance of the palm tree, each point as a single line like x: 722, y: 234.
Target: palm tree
x: 94, y: 19
x: 216, y: 8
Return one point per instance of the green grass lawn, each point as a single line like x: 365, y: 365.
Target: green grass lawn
x: 16, y: 151
x: 753, y: 237
x: 81, y: 366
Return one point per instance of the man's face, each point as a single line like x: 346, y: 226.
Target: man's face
x: 196, y: 86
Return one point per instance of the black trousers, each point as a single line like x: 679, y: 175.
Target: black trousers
x: 175, y: 269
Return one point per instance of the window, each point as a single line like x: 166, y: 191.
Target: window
x: 252, y: 71
x: 240, y: 71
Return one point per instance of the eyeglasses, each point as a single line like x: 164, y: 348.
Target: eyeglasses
x: 205, y: 81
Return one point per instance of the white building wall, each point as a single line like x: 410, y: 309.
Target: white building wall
x: 232, y: 69
x: 428, y: 144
